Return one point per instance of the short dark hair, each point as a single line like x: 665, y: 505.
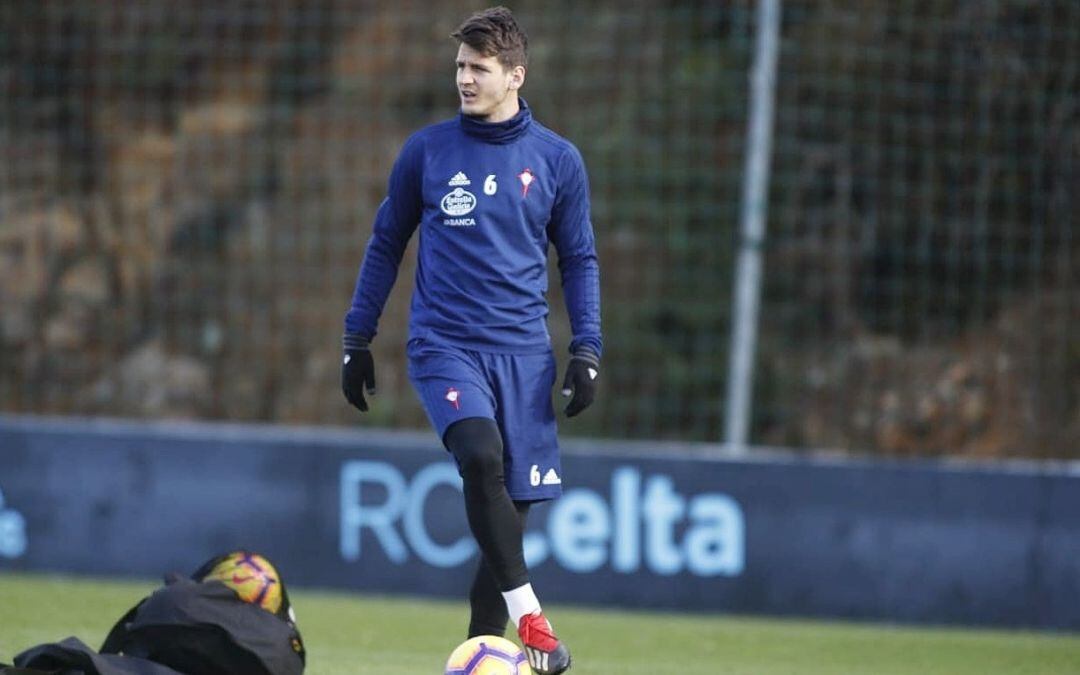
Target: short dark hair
x: 494, y: 32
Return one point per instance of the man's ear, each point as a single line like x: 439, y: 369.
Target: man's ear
x: 517, y: 77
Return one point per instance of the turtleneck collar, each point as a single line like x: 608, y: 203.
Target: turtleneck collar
x: 499, y: 132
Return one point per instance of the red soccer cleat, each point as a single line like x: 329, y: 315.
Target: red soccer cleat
x: 547, y: 655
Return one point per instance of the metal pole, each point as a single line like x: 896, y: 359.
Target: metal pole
x: 752, y: 226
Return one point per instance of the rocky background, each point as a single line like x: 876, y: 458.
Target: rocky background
x: 186, y: 190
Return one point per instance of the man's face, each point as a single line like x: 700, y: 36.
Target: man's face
x: 488, y: 91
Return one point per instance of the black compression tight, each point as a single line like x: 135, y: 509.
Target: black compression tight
x: 494, y: 519
x: 488, y: 615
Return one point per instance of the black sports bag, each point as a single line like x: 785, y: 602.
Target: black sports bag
x: 204, y: 629
x: 187, y: 627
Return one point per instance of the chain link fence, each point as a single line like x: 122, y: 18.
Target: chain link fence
x: 923, y: 295
x: 186, y: 191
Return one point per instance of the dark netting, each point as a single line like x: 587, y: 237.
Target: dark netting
x: 186, y: 190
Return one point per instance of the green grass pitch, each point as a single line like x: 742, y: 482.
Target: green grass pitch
x: 354, y: 634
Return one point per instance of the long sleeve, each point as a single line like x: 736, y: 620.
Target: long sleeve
x: 397, y: 218
x: 571, y: 232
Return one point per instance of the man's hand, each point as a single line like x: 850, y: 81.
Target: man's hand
x: 357, y: 370
x: 580, y: 380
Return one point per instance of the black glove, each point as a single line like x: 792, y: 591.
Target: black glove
x: 580, y: 380
x: 357, y: 370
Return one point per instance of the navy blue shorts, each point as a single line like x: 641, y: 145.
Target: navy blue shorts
x: 514, y: 390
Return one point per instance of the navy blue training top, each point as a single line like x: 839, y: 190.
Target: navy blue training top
x: 488, y: 198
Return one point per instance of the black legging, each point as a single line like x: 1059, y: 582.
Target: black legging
x: 496, y: 521
x: 488, y: 609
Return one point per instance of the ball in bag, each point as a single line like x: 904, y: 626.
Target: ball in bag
x: 252, y: 577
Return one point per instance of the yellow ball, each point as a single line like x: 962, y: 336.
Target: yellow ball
x: 252, y: 577
x: 487, y: 655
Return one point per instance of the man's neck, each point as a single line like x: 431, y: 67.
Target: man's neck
x: 506, y: 111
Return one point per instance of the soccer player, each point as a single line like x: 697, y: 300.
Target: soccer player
x: 490, y: 190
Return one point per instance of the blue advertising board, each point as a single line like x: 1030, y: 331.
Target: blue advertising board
x: 638, y: 526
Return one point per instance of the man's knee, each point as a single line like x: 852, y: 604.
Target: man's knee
x: 477, y: 446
